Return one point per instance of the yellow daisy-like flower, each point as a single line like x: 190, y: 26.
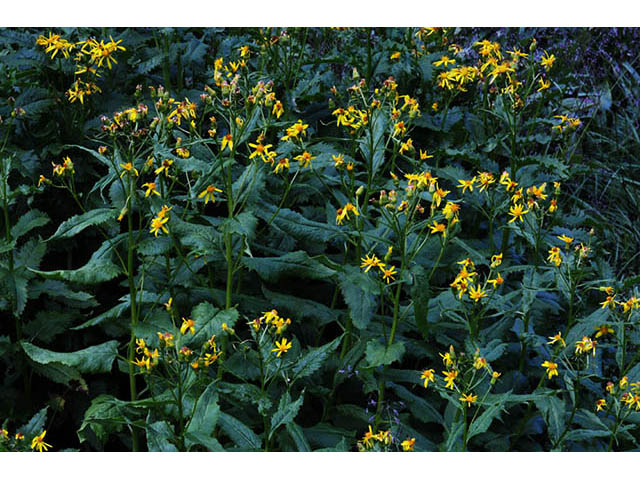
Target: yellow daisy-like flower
x: 227, y: 141
x: 208, y: 194
x: 373, y: 261
x: 128, y: 167
x: 39, y: 444
x: 428, y: 376
x: 469, y: 398
x: 552, y: 368
x: 150, y: 188
x: 282, y: 347
x: 187, y: 324
x: 517, y: 211
x: 158, y: 224
x: 450, y: 378
x: 476, y: 293
x: 407, y: 445
x: 388, y: 274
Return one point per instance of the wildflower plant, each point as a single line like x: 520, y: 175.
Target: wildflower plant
x: 346, y: 239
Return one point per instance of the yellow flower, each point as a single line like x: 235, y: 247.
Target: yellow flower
x: 282, y: 164
x: 164, y: 167
x: 586, y: 345
x: 469, y: 398
x: 600, y: 404
x: 282, y: 347
x: 444, y: 60
x: 408, y: 444
x: 450, y: 378
x: 143, y: 362
x: 428, y: 376
x: 547, y: 60
x: 208, y: 194
x: 343, y: 212
x: 496, y: 260
x: 395, y: 56
x: 150, y: 188
x: 565, y: 239
x: 480, y: 363
x: 446, y: 359
x: 39, y: 444
x: 552, y: 368
x: 604, y: 330
x: 227, y: 141
x: 389, y: 273
x: 128, y: 167
x: 554, y: 256
x: 517, y: 211
x: 557, y: 338
x: 304, y: 159
x: 260, y: 150
x: 609, y: 302
x: 438, y: 228
x: 544, y: 85
x: 187, y: 324
x: 476, y: 293
x: 464, y: 184
x: 166, y: 338
x: 157, y: 224
x: 278, y: 109
x: 373, y: 261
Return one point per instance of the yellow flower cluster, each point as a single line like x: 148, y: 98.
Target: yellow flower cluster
x: 90, y: 56
x: 369, y: 440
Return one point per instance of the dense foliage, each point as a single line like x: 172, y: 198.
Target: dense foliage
x: 346, y: 239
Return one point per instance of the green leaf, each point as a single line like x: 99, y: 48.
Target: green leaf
x: 553, y: 412
x: 298, y: 437
x: 158, y: 436
x: 95, y: 271
x: 301, y: 307
x: 299, y: 226
x: 27, y: 222
x: 78, y: 223
x: 358, y: 289
x: 585, y: 434
x: 287, y: 411
x: 482, y: 423
x: 96, y: 359
x: 296, y: 264
x: 35, y: 426
x: 60, y: 373
x: 208, y: 321
x: 418, y: 406
x: 378, y: 354
x: 205, y: 415
x: 241, y: 435
x: 313, y: 358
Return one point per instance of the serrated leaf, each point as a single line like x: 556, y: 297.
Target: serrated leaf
x: 27, y: 222
x: 553, y: 413
x: 313, y: 358
x: 378, y: 354
x: 95, y: 271
x: 482, y: 423
x: 96, y: 359
x: 287, y: 411
x: 158, y: 436
x: 239, y: 433
x: 205, y: 415
x: 298, y: 437
x: 35, y: 426
x: 59, y: 373
x: 208, y: 321
x: 358, y: 291
x: 296, y: 264
x: 78, y: 223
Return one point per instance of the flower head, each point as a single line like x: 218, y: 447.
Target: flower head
x: 282, y: 347
x: 39, y: 444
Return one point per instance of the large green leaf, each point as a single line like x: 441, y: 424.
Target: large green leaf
x: 241, y: 435
x: 204, y: 417
x: 359, y: 290
x: 78, y: 223
x: 378, y: 354
x: 287, y: 411
x: 313, y: 358
x: 95, y: 271
x: 296, y: 264
x: 96, y: 359
x: 27, y: 222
